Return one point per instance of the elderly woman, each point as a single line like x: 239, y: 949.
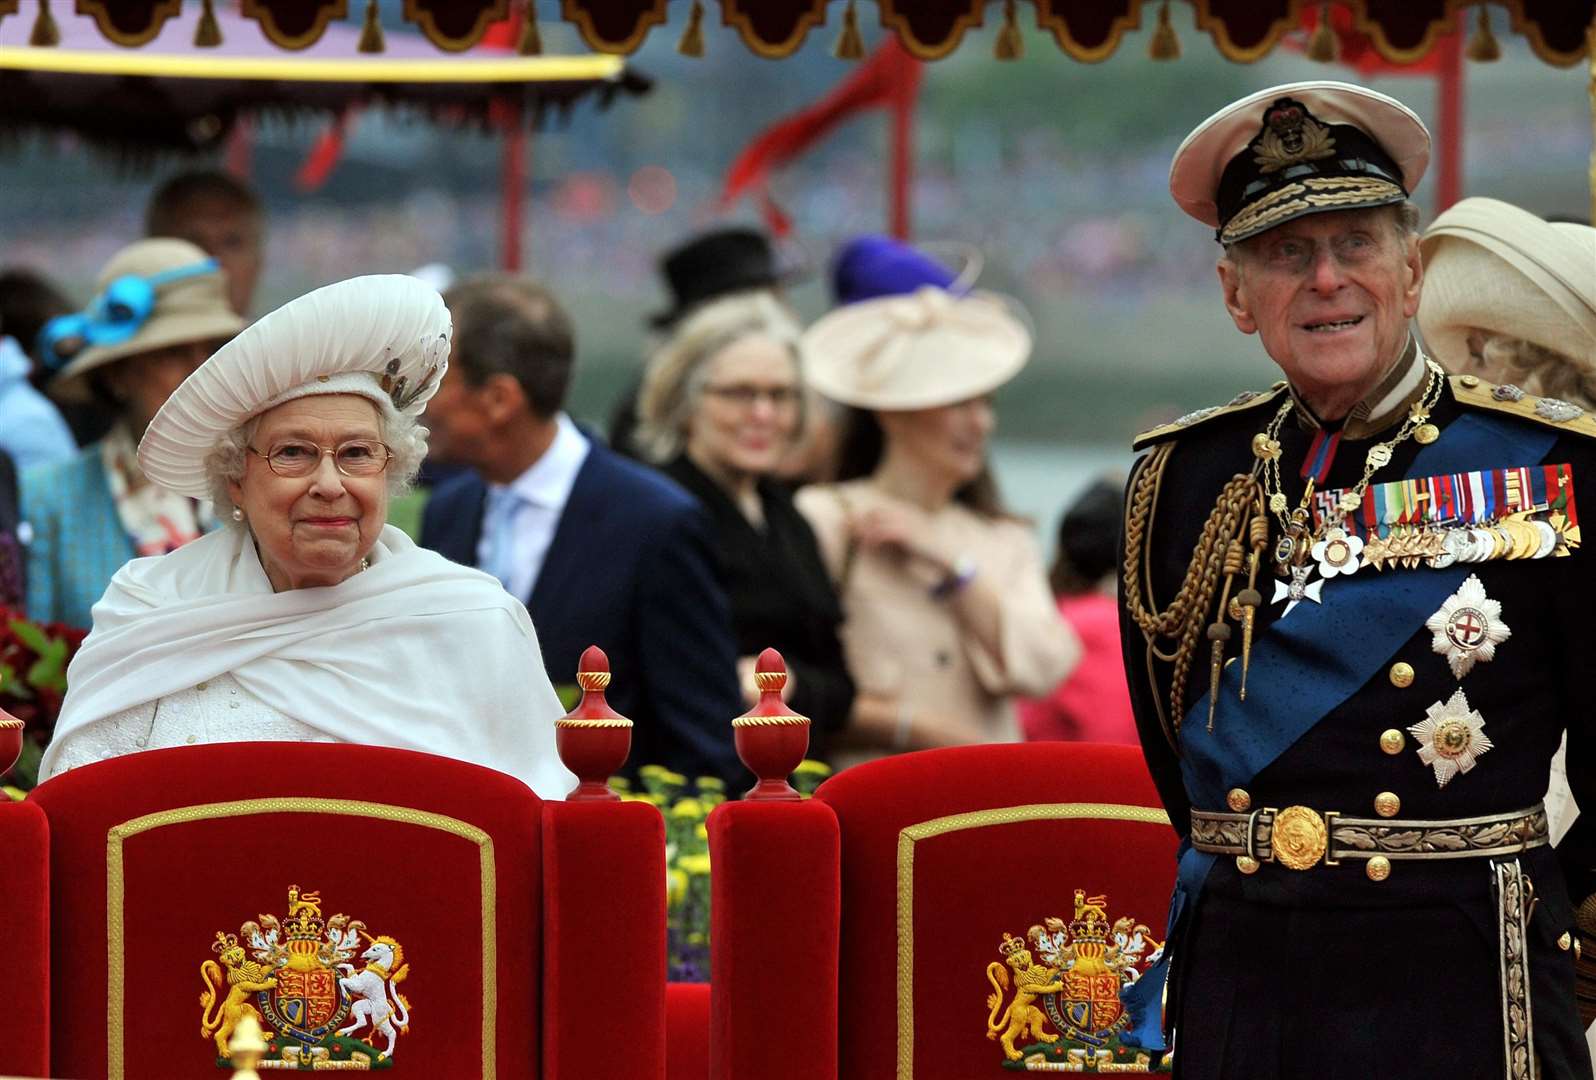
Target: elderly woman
x: 947, y: 607
x: 309, y: 618
x: 720, y: 407
x: 160, y: 310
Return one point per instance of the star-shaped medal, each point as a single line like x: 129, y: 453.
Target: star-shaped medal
x: 1337, y: 553
x: 1468, y: 628
x: 1451, y: 737
x: 1298, y: 590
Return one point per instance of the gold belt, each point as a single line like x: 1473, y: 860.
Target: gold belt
x: 1299, y: 838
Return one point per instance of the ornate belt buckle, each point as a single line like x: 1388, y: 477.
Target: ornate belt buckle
x: 1299, y: 838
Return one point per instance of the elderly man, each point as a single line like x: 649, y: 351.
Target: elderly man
x: 1355, y: 617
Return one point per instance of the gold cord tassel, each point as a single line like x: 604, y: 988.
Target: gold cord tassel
x: 371, y: 33
x: 531, y: 42
x: 1165, y: 45
x: 850, y: 46
x: 1010, y: 45
x: 1483, y: 45
x: 1249, y: 599
x: 45, y: 31
x: 208, y: 34
x: 1322, y: 46
x: 692, y: 43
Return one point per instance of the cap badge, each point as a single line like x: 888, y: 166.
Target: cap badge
x: 1290, y: 136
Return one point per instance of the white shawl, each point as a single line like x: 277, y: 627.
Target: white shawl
x: 415, y: 652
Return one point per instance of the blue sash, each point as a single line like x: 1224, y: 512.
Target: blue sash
x: 1311, y: 661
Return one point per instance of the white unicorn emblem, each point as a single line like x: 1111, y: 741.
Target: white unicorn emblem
x: 375, y: 993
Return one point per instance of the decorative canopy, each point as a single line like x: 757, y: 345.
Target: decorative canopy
x: 170, y: 96
x: 1402, y: 31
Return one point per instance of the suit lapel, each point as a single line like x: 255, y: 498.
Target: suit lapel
x: 573, y: 535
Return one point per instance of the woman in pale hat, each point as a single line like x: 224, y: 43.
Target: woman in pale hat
x: 721, y: 406
x: 946, y: 603
x: 308, y: 617
x: 159, y: 310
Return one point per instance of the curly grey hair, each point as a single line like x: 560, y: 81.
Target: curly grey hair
x: 677, y: 372
x: 403, y: 435
x: 1536, y: 369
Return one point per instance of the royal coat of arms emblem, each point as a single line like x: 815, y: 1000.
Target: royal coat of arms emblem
x: 297, y: 977
x: 1064, y: 1013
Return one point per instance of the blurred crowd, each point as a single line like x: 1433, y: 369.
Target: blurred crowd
x: 824, y: 490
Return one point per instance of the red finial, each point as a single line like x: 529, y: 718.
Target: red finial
x: 771, y: 739
x: 10, y: 741
x: 593, y: 739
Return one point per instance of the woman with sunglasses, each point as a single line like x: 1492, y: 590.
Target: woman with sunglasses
x: 719, y: 409
x: 308, y: 617
x: 159, y: 310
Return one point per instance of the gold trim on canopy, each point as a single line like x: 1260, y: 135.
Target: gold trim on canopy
x: 507, y: 69
x: 488, y: 13
x: 158, y: 12
x: 648, y: 14
x: 261, y: 11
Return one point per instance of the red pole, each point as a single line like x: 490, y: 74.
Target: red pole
x: 1449, y: 144
x: 901, y: 179
x: 512, y: 175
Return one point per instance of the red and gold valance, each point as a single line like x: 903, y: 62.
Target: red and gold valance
x: 1402, y: 31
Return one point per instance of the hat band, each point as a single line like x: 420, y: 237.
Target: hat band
x: 1306, y: 197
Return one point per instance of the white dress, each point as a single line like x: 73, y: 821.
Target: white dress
x: 215, y: 711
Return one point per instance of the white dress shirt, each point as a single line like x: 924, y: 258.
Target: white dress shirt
x: 540, y: 493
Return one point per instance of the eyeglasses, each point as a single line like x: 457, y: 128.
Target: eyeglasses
x: 357, y: 457
x: 745, y: 396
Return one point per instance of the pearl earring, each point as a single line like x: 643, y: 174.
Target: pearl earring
x: 238, y: 514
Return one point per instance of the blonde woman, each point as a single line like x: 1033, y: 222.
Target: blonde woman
x: 721, y: 406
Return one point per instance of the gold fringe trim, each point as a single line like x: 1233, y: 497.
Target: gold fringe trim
x: 1010, y: 45
x: 45, y: 32
x: 692, y: 43
x: 531, y: 42
x: 1483, y: 45
x: 1323, y: 46
x: 371, y: 40
x: 1164, y: 45
x: 208, y: 34
x: 850, y: 46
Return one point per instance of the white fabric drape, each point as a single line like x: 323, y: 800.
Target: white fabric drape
x: 415, y: 652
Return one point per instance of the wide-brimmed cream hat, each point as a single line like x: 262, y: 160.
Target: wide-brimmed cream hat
x: 384, y: 337
x: 1491, y: 266
x: 919, y: 351
x: 190, y: 304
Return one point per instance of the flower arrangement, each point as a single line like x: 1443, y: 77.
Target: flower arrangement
x: 33, y: 665
x: 686, y: 808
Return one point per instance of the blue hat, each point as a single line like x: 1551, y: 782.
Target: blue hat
x: 868, y: 267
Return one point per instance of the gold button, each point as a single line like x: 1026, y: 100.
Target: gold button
x: 1379, y: 868
x: 1401, y: 674
x: 1469, y: 381
x: 1392, y: 741
x: 1425, y: 434
x: 1565, y: 942
x: 1386, y: 804
x: 1238, y: 800
x: 1246, y: 864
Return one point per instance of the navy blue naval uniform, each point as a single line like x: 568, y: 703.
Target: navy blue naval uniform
x: 1324, y: 972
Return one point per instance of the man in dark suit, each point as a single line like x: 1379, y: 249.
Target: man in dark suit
x: 604, y: 551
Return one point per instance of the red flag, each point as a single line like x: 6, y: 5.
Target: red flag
x: 323, y: 157
x: 889, y: 79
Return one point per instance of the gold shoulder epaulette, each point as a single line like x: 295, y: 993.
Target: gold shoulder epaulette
x: 1474, y: 392
x: 1247, y: 399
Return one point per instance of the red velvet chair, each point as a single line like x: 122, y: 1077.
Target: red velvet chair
x: 531, y: 933
x: 962, y: 874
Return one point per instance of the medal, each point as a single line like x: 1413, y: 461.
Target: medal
x: 1468, y: 628
x: 1451, y: 737
x: 1298, y: 590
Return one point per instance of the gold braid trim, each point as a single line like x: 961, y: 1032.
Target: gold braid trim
x: 1184, y: 620
x: 1318, y: 192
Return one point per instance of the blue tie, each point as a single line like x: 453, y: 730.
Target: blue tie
x: 503, y: 503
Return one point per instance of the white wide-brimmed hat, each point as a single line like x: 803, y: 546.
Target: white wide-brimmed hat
x: 1491, y: 266
x: 179, y: 296
x: 383, y: 337
x: 1297, y: 149
x: 919, y: 351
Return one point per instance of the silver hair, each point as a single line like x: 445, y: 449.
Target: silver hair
x: 678, y: 370
x: 402, y: 434
x: 1537, y: 369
